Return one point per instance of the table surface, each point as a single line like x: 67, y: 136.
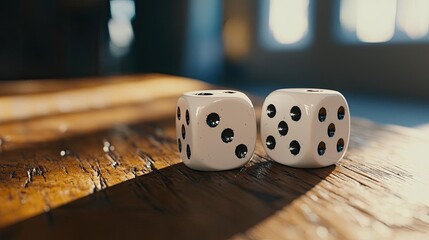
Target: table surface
x: 97, y: 158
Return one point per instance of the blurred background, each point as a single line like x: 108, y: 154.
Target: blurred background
x: 375, y: 51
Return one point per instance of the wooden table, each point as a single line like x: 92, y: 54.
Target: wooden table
x: 97, y: 159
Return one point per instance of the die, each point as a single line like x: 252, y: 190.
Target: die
x: 306, y: 128
x: 216, y: 129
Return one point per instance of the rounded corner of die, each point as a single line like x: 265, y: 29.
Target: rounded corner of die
x: 182, y: 99
x: 276, y: 92
x: 246, y: 100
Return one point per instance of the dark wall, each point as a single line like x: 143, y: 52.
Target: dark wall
x: 70, y: 38
x: 45, y: 39
x: 160, y: 31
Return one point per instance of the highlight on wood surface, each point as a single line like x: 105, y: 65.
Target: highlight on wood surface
x: 87, y: 95
x: 116, y: 170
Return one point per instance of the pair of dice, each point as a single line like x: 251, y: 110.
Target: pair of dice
x: 216, y: 130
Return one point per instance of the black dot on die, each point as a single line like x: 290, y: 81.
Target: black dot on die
x: 187, y: 117
x: 270, y: 142
x: 294, y: 147
x: 295, y: 113
x: 203, y: 94
x: 331, y: 130
x: 227, y: 135
x: 241, y: 151
x: 178, y: 113
x: 341, y: 113
x: 179, y: 144
x: 322, y: 114
x: 188, y: 151
x: 340, y: 145
x: 183, y: 131
x: 271, y: 111
x: 283, y: 128
x: 321, y: 148
x: 230, y: 92
x: 213, y: 120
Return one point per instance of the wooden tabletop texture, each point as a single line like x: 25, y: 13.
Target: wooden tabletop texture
x: 97, y: 158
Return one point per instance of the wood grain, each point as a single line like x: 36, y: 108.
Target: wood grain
x: 86, y: 94
x: 116, y: 173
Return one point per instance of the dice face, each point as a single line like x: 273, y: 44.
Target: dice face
x: 216, y: 130
x: 305, y: 127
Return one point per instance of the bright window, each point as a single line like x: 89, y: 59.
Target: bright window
x: 285, y: 23
x: 377, y: 21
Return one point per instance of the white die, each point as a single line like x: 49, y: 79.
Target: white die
x: 216, y: 129
x: 305, y: 128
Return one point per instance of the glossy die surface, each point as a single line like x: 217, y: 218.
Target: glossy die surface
x: 305, y: 128
x: 216, y: 129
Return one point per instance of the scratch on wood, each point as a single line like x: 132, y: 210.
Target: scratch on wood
x: 95, y: 175
x: 109, y: 149
x: 133, y: 170
x: 77, y: 157
x: 147, y: 160
x: 144, y: 157
x: 70, y: 153
x: 103, y: 181
x: 35, y: 171
x: 364, y: 175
